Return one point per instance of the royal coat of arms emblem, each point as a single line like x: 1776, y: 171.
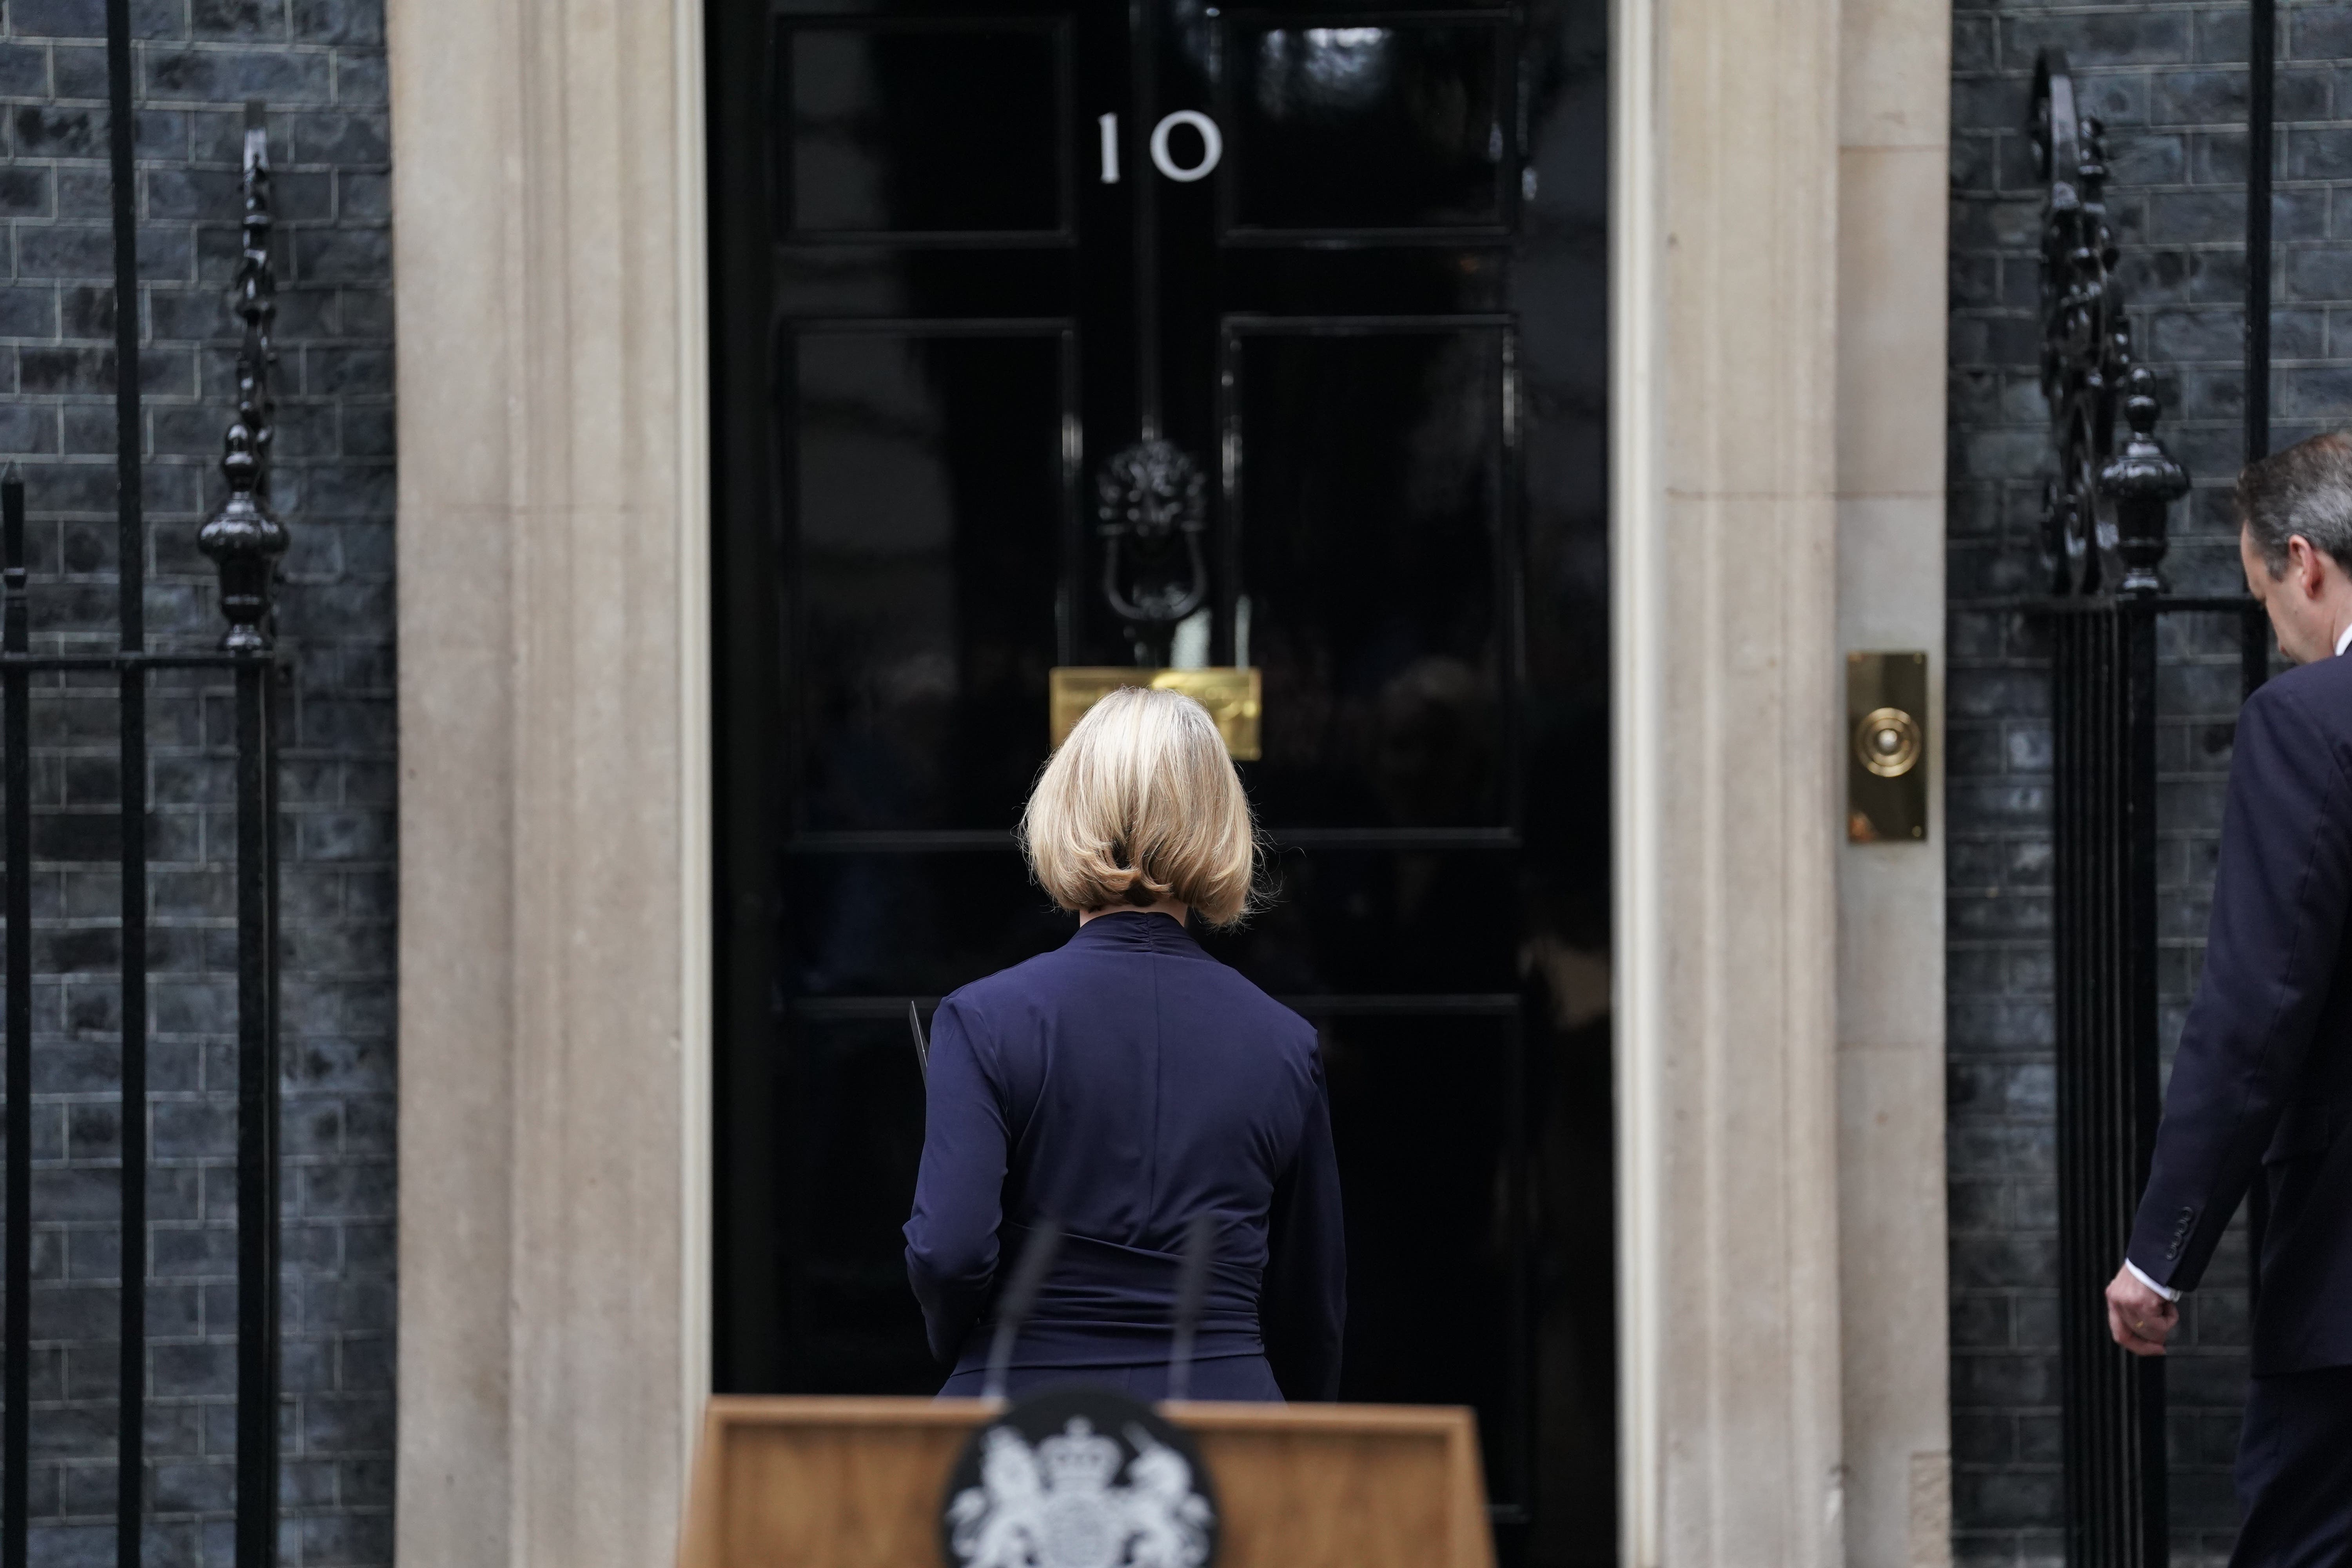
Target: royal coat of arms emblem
x: 1106, y: 1485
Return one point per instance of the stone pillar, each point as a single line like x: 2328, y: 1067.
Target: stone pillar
x: 1728, y: 713
x: 1894, y: 158
x: 553, y: 812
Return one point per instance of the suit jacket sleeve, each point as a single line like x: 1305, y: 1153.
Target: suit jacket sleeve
x: 959, y: 1189
x: 1303, y: 1310
x: 2279, y: 898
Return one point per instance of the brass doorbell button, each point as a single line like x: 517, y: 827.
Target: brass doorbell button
x: 1888, y: 742
x: 1887, y: 776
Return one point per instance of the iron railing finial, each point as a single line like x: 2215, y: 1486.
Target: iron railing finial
x: 2104, y: 513
x: 2143, y: 482
x: 244, y: 539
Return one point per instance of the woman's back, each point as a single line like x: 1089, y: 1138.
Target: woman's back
x: 1122, y: 1086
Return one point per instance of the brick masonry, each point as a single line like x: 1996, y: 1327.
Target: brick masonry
x: 2169, y: 81
x: 320, y: 65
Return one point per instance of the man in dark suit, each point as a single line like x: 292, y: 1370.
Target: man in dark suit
x: 2262, y: 1085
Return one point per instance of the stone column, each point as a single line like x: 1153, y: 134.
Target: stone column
x: 1894, y: 158
x: 553, y: 813
x: 1729, y: 714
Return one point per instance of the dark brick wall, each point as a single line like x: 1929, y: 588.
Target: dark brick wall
x: 2170, y: 82
x: 321, y: 66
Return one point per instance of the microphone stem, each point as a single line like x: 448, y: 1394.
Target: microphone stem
x: 1192, y: 1290
x: 1020, y: 1295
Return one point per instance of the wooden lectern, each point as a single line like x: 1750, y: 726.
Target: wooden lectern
x: 858, y: 1483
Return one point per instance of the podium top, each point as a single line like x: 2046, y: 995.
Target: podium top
x: 858, y: 1483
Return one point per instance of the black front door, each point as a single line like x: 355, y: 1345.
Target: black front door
x: 1343, y: 268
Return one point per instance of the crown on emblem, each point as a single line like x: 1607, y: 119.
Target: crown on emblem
x: 1080, y: 1458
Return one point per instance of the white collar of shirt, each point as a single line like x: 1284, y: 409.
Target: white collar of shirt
x: 2343, y: 641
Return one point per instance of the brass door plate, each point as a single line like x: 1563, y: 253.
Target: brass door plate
x: 1886, y: 747
x: 1231, y: 696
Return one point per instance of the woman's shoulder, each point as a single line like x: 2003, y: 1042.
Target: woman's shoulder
x: 1016, y: 985
x: 1265, y: 1010
x: 1052, y: 981
x: 1268, y: 1024
x: 1034, y: 986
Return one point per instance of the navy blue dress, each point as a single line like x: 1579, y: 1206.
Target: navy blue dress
x: 1121, y: 1085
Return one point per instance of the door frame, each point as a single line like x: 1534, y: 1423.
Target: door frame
x: 554, y: 700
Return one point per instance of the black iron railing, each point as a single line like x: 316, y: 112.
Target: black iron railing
x: 243, y: 540
x: 2105, y: 538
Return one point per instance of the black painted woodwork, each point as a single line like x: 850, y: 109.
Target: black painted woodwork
x: 1379, y: 328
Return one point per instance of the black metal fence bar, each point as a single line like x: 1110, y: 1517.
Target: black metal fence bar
x: 2262, y: 71
x: 130, y: 583
x: 15, y: 734
x: 2104, y: 687
x: 2104, y: 536
x: 2261, y: 74
x: 256, y: 1115
x: 96, y: 662
x: 244, y: 540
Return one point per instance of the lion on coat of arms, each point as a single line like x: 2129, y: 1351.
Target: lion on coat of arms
x: 1063, y: 1505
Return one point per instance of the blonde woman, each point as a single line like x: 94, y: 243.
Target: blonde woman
x: 1127, y: 1083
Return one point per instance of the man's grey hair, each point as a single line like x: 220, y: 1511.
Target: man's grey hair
x: 2305, y: 489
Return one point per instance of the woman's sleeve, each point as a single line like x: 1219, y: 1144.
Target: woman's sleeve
x: 1304, y: 1311
x: 951, y: 1235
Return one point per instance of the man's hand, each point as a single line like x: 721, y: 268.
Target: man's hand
x: 2140, y: 1320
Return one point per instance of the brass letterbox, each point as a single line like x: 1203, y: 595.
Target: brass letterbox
x: 1230, y: 695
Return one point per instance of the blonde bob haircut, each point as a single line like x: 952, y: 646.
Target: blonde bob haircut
x: 1143, y: 803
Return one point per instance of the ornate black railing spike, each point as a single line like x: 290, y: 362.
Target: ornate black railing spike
x: 1151, y: 513
x: 2087, y: 363
x: 246, y: 541
x: 2104, y: 535
x: 243, y: 538
x: 2141, y: 482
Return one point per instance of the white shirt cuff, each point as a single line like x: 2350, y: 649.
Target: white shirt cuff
x: 2167, y: 1291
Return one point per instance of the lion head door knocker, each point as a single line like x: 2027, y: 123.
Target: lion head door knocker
x: 1151, y: 514
x: 1079, y: 1478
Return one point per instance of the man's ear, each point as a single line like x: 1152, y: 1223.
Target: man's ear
x: 2307, y: 566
